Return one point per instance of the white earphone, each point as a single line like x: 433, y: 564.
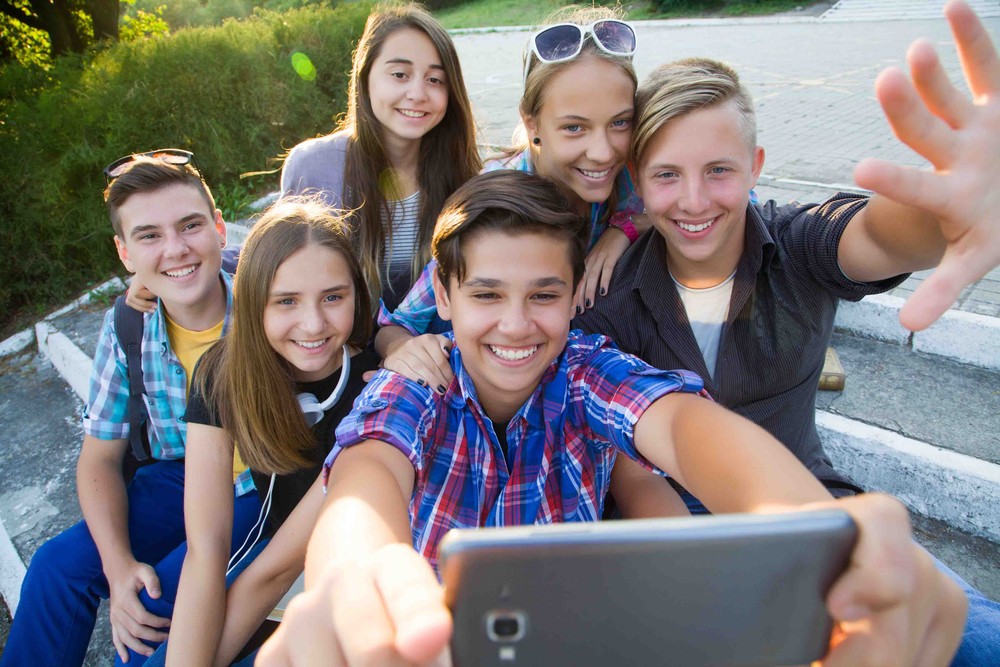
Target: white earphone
x: 312, y: 409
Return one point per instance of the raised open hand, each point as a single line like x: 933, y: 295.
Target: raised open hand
x: 961, y: 139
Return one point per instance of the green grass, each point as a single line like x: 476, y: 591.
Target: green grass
x: 487, y: 13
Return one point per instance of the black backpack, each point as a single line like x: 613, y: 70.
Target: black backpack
x: 128, y: 329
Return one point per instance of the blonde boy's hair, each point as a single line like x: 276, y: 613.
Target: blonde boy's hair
x: 677, y: 88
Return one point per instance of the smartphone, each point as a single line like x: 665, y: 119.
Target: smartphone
x: 722, y: 591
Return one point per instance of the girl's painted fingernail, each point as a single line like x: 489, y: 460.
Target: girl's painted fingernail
x: 441, y: 388
x: 588, y: 303
x: 422, y: 382
x: 579, y: 310
x: 604, y: 291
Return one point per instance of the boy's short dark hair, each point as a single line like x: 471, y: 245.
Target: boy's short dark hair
x: 147, y: 174
x: 513, y: 202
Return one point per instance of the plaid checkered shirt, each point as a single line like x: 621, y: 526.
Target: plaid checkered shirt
x: 562, y: 442
x: 106, y: 415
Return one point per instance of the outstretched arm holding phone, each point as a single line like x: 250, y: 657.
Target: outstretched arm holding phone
x: 371, y: 599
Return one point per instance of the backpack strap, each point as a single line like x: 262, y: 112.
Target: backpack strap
x: 230, y: 258
x: 128, y: 328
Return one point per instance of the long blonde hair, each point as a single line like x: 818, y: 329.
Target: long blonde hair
x: 251, y: 385
x: 448, y: 152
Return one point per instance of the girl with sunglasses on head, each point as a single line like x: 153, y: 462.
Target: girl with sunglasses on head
x: 576, y: 112
x: 274, y: 389
x: 407, y: 141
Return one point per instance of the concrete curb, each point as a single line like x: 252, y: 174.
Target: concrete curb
x: 12, y: 572
x: 966, y: 337
x: 71, y: 362
x: 22, y: 340
x: 957, y: 489
x: 17, y: 344
x: 876, y: 317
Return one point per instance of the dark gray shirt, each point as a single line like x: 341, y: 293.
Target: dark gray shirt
x: 781, y: 314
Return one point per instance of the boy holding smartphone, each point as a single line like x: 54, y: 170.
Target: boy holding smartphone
x: 528, y: 432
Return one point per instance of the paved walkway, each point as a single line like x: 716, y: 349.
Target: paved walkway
x: 880, y: 10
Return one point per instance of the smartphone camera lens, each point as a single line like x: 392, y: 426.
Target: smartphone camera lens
x: 505, y: 625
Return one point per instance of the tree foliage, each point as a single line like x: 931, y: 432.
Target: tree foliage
x: 71, y: 25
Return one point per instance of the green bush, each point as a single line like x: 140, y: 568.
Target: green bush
x: 435, y: 5
x: 686, y: 5
x: 227, y: 93
x: 726, y: 7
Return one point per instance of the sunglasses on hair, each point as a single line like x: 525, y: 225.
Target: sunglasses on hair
x: 564, y: 41
x: 176, y: 156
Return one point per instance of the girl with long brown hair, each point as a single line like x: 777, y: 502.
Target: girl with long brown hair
x: 407, y: 142
x: 274, y: 389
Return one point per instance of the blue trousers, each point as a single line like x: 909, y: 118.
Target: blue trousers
x: 65, y: 581
x: 981, y: 638
x: 159, y: 658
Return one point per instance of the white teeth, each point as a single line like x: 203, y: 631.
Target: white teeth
x: 180, y: 273
x: 695, y: 228
x: 310, y: 344
x: 513, y: 354
x: 409, y: 113
x: 595, y: 174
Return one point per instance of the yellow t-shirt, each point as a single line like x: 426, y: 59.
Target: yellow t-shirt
x: 189, y: 346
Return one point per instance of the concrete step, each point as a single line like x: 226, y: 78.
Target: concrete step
x: 927, y: 398
x: 925, y: 429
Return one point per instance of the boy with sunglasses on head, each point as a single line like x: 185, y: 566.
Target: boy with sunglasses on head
x: 527, y: 433
x: 131, y: 543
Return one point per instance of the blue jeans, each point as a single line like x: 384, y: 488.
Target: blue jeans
x: 65, y: 581
x: 159, y: 658
x: 981, y: 638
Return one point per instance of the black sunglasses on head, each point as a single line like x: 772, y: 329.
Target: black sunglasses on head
x: 176, y: 156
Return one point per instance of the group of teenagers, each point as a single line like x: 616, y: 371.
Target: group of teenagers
x: 524, y: 310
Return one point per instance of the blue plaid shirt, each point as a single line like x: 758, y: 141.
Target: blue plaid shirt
x: 106, y: 416
x: 562, y: 443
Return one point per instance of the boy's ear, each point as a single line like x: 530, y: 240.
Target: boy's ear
x: 441, y: 299
x: 220, y: 227
x: 123, y: 254
x: 758, y: 163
